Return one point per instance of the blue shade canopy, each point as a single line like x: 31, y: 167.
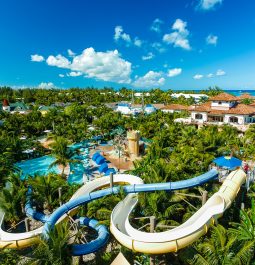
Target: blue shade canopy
x: 110, y: 170
x: 95, y: 156
x: 103, y: 168
x: 228, y: 162
x: 100, y: 160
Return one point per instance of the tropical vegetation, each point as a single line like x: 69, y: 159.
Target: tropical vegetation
x: 173, y: 152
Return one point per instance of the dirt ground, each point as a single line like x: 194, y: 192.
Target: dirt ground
x: 46, y: 143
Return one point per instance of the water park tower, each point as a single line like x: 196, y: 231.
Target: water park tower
x: 133, y: 143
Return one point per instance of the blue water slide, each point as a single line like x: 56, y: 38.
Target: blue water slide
x: 94, y: 245
x: 29, y: 209
x: 168, y: 186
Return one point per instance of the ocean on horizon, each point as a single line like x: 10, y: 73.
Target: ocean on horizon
x: 233, y: 92
x: 240, y: 92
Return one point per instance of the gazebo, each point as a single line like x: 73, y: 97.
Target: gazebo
x: 228, y: 162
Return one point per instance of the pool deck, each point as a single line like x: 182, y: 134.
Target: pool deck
x: 122, y: 164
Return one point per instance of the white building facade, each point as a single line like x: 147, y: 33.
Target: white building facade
x: 223, y: 108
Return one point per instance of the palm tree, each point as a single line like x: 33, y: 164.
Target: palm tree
x: 55, y: 250
x: 9, y: 257
x: 45, y: 189
x: 118, y: 143
x: 101, y: 209
x: 245, y: 230
x: 12, y: 199
x: 221, y: 248
x: 62, y: 153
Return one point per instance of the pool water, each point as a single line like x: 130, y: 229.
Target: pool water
x: 37, y: 166
x: 41, y: 165
x: 77, y: 170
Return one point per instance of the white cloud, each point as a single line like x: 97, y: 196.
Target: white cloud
x: 174, y: 72
x: 212, y: 39
x: 179, y: 36
x: 156, y: 25
x: 70, y: 53
x: 37, y: 58
x: 74, y: 74
x: 149, y: 56
x: 138, y: 42
x: 107, y: 66
x: 58, y: 61
x: 220, y: 72
x: 179, y: 25
x: 121, y: 35
x: 45, y: 85
x: 208, y: 4
x: 158, y: 47
x: 151, y: 79
x: 61, y: 75
x: 198, y: 76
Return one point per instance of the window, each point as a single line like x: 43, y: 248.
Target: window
x: 198, y: 116
x: 233, y: 119
x: 212, y: 118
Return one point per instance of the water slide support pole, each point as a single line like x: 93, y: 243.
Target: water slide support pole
x: 152, y: 230
x: 111, y: 180
x: 60, y: 195
x: 27, y: 224
x: 204, y: 196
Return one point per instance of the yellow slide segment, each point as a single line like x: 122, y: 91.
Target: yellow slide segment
x: 153, y: 243
x: 181, y: 236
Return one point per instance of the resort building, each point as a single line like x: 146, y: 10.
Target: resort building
x: 45, y: 109
x: 133, y: 109
x: 141, y: 94
x: 6, y: 106
x: 124, y: 108
x: 14, y: 107
x: 222, y: 109
x: 149, y: 108
x: 196, y: 97
x: 246, y: 96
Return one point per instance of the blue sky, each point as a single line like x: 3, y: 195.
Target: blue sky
x: 171, y: 44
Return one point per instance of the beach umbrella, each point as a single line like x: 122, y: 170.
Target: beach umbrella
x: 229, y: 162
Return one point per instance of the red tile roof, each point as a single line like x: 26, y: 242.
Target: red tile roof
x: 223, y: 97
x: 241, y: 109
x: 6, y: 103
x: 246, y: 96
x: 175, y: 107
x: 205, y: 107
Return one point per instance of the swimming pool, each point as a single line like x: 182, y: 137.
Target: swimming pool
x: 77, y: 170
x: 41, y: 165
x: 37, y: 166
